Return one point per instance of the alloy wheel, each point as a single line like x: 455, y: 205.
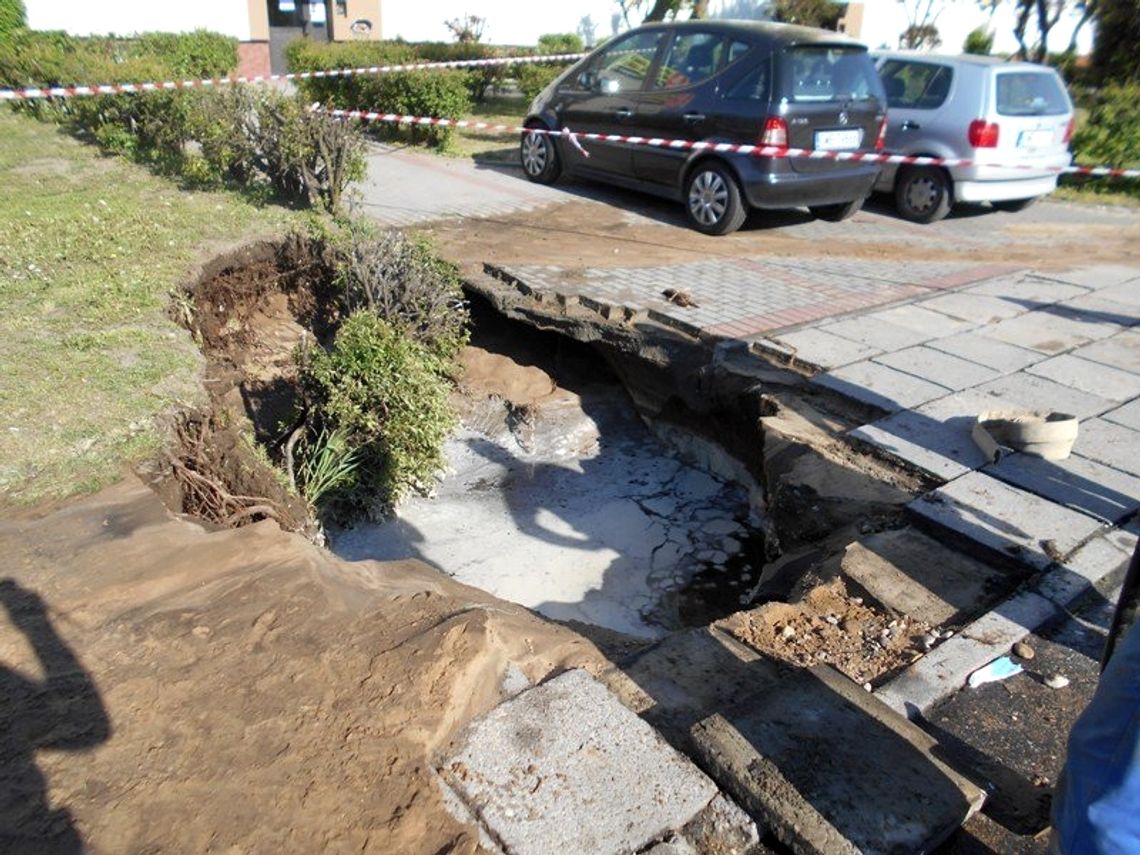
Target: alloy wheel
x: 708, y: 198
x: 534, y: 153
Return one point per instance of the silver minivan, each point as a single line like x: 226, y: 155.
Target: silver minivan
x: 1014, y: 114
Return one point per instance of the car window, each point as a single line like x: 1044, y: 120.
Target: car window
x: 1030, y: 93
x: 828, y: 74
x: 692, y: 58
x: 751, y: 87
x: 623, y: 66
x: 736, y: 51
x: 916, y: 85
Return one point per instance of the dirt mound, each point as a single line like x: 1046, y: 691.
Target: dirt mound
x: 240, y: 690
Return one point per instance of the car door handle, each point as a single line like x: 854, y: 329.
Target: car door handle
x: 693, y: 118
x: 908, y: 125
x: 623, y: 113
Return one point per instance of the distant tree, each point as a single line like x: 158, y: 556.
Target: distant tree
x: 467, y: 29
x: 587, y: 31
x: 1117, y: 36
x: 979, y: 41
x: 808, y: 13
x: 922, y: 20
x: 920, y: 37
x: 12, y: 16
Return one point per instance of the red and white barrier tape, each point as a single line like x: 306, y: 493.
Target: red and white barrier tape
x: 576, y: 137
x: 36, y: 92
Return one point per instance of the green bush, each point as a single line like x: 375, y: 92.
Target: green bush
x: 11, y: 16
x: 1111, y: 135
x: 387, y: 398
x: 533, y: 78
x: 555, y: 43
x: 979, y: 41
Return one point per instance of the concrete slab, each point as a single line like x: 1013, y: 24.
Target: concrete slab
x: 1127, y: 294
x: 978, y: 308
x: 1051, y: 333
x: 881, y: 336
x: 1106, y: 308
x: 917, y: 576
x: 979, y: 348
x: 821, y: 349
x: 928, y: 323
x: 934, y: 438
x: 1078, y: 482
x: 1028, y: 291
x: 1092, y: 564
x: 939, y: 367
x: 880, y: 386
x: 1111, y: 444
x: 1128, y: 415
x: 810, y: 758
x: 1096, y: 276
x: 1003, y: 519
x: 1119, y: 351
x: 1104, y: 381
x: 1025, y: 391
x: 945, y: 669
x: 565, y: 767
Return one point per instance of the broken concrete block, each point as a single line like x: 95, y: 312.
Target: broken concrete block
x: 564, y: 767
x: 916, y: 575
x: 830, y: 769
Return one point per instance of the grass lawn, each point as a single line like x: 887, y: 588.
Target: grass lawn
x: 481, y: 145
x: 90, y: 250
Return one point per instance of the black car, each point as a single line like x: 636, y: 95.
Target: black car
x: 724, y: 82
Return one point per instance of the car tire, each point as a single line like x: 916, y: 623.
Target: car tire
x: 713, y: 201
x: 1012, y: 206
x: 836, y: 213
x: 922, y: 194
x: 539, y: 157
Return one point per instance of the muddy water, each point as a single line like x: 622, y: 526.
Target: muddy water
x: 568, y: 504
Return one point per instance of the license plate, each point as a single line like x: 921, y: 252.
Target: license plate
x: 1035, y: 139
x: 836, y: 140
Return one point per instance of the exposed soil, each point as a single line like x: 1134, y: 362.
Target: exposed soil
x: 829, y: 626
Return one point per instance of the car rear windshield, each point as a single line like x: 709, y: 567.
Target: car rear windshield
x: 828, y: 74
x: 1030, y: 93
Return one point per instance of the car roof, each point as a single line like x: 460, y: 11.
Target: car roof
x: 961, y: 59
x: 791, y: 34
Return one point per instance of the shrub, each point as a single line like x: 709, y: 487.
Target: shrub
x: 11, y: 16
x: 385, y: 395
x: 1111, y: 134
x: 479, y: 80
x: 533, y: 78
x: 979, y: 41
x: 560, y: 43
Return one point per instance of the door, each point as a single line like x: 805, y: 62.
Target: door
x: 603, y: 99
x: 683, y: 101
x: 917, y: 92
x: 831, y: 99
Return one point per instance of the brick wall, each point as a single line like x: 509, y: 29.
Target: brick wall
x: 253, y: 59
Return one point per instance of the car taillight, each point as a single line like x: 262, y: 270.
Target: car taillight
x: 775, y: 132
x: 1069, y: 128
x: 983, y: 134
x: 881, y: 139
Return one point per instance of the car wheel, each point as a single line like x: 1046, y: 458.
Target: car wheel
x: 922, y: 194
x: 713, y: 201
x: 539, y: 157
x: 836, y: 213
x: 1014, y: 205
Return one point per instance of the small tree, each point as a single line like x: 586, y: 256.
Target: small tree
x: 12, y: 16
x: 922, y: 19
x: 1117, y: 35
x: 808, y: 13
x: 920, y: 37
x: 979, y: 41
x: 467, y: 29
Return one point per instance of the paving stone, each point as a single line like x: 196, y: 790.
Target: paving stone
x: 1105, y: 554
x: 1028, y: 291
x: 944, y: 670
x: 1079, y: 483
x: 1099, y: 276
x: 1025, y: 391
x: 929, y: 324
x: 822, y: 349
x: 1119, y: 351
x: 1111, y: 444
x: 1106, y: 308
x: 1102, y: 380
x: 1127, y: 294
x: 915, y: 575
x: 939, y: 367
x: 980, y: 348
x: 565, y: 767
x: 810, y: 757
x: 944, y: 449
x: 880, y: 386
x: 1003, y: 519
x: 1050, y: 333
x: 882, y: 336
x: 978, y: 308
x: 1128, y: 415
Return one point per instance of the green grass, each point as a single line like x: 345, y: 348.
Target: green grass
x: 481, y: 145
x: 90, y: 250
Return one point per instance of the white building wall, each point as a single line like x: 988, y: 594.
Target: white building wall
x: 127, y: 17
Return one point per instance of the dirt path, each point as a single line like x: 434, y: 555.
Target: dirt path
x: 238, y: 691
